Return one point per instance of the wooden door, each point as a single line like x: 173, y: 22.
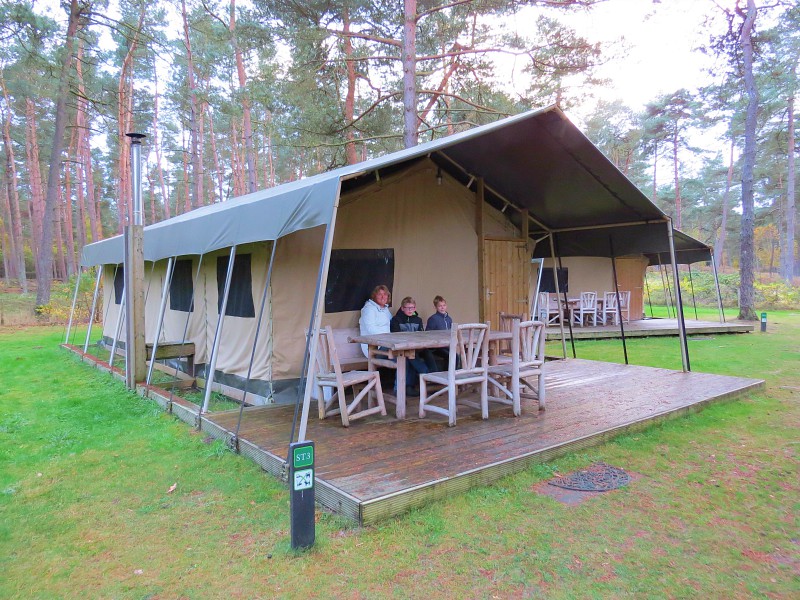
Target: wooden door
x: 506, y: 272
x: 630, y: 276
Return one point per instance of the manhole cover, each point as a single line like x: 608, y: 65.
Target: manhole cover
x: 598, y: 477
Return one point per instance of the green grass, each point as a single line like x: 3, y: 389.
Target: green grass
x: 85, y: 507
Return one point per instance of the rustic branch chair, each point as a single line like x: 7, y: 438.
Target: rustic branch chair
x: 527, y: 361
x: 587, y: 307
x: 329, y: 374
x: 506, y: 320
x: 549, y: 309
x: 609, y: 308
x: 470, y: 341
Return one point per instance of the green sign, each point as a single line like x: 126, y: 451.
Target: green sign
x: 303, y: 456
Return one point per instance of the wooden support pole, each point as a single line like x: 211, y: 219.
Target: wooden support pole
x: 479, y: 200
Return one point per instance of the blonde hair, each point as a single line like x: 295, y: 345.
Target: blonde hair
x: 408, y: 300
x: 438, y: 299
x: 381, y: 288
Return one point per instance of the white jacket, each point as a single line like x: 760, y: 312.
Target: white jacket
x: 374, y: 319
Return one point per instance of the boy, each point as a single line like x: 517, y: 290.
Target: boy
x: 441, y: 320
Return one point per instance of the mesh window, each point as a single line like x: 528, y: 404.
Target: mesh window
x: 353, y: 274
x: 240, y: 297
x: 548, y: 284
x: 181, y: 289
x: 119, y: 284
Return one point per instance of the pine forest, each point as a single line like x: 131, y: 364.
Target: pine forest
x: 240, y: 96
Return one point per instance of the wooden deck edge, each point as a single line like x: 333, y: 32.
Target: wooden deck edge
x: 579, y: 334
x: 327, y: 495
x: 402, y: 501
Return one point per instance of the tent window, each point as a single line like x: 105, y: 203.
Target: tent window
x: 547, y: 280
x: 119, y: 284
x: 181, y: 289
x: 353, y: 274
x: 240, y: 297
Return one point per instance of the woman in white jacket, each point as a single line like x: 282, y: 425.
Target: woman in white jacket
x: 375, y: 316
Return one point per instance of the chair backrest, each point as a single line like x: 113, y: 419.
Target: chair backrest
x: 528, y: 341
x: 543, y: 305
x: 624, y: 299
x: 327, y: 358
x: 588, y: 299
x: 507, y: 320
x: 609, y: 301
x: 472, y: 345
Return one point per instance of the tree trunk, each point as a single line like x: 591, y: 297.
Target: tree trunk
x: 197, y: 177
x: 410, y: 131
x: 787, y: 252
x: 157, y: 146
x: 719, y: 247
x: 350, y: 98
x: 12, y: 185
x: 36, y: 203
x: 246, y: 117
x: 60, y: 270
x: 655, y: 169
x: 675, y: 171
x: 747, y: 249
x: 69, y: 231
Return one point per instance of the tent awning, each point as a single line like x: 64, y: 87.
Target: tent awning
x: 538, y: 161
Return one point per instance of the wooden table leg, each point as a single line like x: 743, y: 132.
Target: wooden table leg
x: 401, y: 386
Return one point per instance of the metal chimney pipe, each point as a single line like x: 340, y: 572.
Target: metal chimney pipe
x: 136, y: 175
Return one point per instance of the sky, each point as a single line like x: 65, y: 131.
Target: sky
x: 651, y: 46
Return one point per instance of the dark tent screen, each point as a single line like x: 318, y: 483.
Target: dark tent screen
x: 353, y: 274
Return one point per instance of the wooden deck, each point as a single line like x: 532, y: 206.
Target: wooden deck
x: 651, y: 327
x: 380, y: 467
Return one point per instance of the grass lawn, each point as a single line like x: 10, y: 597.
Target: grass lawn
x: 104, y: 496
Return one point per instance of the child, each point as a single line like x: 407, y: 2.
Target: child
x: 407, y: 319
x: 441, y: 320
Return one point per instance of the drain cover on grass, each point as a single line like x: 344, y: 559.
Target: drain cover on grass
x: 598, y: 477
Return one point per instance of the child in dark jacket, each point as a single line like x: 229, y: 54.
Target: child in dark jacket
x: 407, y: 319
x: 441, y: 320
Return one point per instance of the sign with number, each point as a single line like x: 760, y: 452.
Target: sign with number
x: 303, y: 480
x: 301, y: 502
x: 302, y: 456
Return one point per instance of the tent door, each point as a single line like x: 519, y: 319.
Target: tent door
x: 630, y: 274
x: 506, y: 268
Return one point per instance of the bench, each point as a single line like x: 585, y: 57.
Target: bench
x: 173, y: 350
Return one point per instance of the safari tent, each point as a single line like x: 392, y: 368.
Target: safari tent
x: 461, y: 216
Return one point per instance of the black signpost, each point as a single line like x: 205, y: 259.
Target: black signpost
x: 301, y: 503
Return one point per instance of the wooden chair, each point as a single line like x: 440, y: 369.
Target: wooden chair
x: 527, y: 361
x: 471, y: 342
x: 624, y: 305
x: 609, y: 313
x: 587, y: 307
x: 549, y: 309
x: 329, y: 374
x: 610, y: 307
x: 506, y: 321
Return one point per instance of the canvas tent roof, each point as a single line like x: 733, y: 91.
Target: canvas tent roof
x: 537, y: 161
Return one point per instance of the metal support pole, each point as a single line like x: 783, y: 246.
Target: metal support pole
x: 691, y: 286
x: 94, y: 307
x: 649, y: 299
x: 74, y: 301
x: 117, y: 331
x: 316, y: 316
x: 619, y: 305
x: 678, y: 301
x: 719, y: 293
x: 235, y: 438
x: 558, y: 297
x: 218, y: 335
x: 162, y: 309
x: 566, y: 307
x: 664, y: 286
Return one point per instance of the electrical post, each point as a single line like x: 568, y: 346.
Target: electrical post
x: 135, y: 352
